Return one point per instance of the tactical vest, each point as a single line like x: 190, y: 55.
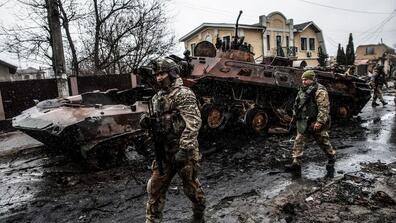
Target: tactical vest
x: 306, y: 108
x: 172, y: 124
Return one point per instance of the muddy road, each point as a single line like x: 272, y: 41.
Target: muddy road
x: 243, y: 178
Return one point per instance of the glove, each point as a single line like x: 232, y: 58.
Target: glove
x: 317, y: 126
x: 182, y: 156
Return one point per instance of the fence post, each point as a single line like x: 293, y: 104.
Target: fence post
x: 74, y: 85
x: 2, y: 114
x: 133, y: 80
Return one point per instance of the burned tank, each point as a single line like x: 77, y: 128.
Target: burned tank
x: 232, y: 87
x: 102, y: 127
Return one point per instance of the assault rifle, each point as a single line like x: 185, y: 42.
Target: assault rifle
x: 158, y: 137
x: 292, y: 124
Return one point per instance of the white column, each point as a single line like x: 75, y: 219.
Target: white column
x: 265, y: 44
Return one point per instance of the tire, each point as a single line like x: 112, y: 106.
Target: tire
x: 212, y: 116
x: 257, y: 121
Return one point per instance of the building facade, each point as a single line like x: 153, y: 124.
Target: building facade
x: 367, y: 56
x: 29, y: 73
x: 274, y: 35
x: 6, y: 71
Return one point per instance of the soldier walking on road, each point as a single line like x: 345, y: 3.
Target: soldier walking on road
x: 377, y: 83
x: 311, y: 113
x: 180, y: 121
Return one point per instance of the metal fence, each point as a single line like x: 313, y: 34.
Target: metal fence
x: 16, y: 96
x: 103, y: 82
x: 19, y: 95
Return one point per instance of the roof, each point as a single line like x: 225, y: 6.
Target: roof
x: 11, y: 67
x: 379, y: 44
x: 302, y: 26
x: 219, y: 25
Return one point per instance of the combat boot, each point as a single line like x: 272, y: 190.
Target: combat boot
x: 384, y: 103
x: 374, y: 104
x: 198, y: 218
x: 330, y: 163
x: 294, y: 167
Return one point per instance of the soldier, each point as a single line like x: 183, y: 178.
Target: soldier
x: 378, y: 81
x: 312, y: 116
x: 181, y: 121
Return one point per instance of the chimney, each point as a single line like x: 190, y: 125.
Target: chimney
x: 263, y: 20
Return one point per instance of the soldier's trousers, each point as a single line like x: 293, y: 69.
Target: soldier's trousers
x: 158, y: 185
x: 322, y: 138
x: 378, y: 94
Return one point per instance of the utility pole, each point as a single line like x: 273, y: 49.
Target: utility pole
x: 58, y: 57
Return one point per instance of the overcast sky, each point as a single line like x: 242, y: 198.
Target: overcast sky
x: 367, y: 20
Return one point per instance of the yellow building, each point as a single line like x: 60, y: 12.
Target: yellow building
x: 367, y: 56
x: 373, y: 51
x: 273, y: 35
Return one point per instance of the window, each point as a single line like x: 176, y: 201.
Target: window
x: 303, y: 43
x: 278, y: 41
x: 287, y: 41
x: 226, y: 42
x: 193, y: 49
x: 312, y: 44
x: 268, y: 42
x: 369, y: 50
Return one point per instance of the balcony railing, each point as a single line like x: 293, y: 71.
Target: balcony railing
x: 284, y: 51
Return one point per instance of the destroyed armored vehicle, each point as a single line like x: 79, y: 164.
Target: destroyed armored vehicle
x: 232, y: 87
x: 101, y: 126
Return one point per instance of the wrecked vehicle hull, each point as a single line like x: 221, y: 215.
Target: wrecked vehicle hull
x: 232, y: 87
x: 93, y: 124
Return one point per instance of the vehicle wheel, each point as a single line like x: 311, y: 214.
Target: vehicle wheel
x: 212, y: 116
x: 256, y: 120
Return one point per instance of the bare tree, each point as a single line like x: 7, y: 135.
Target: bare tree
x: 103, y: 36
x: 127, y: 33
x: 29, y: 39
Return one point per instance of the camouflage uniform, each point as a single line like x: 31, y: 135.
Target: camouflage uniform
x: 312, y: 105
x: 377, y: 85
x: 181, y: 119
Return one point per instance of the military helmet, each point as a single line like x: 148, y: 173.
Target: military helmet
x: 309, y: 74
x: 166, y: 65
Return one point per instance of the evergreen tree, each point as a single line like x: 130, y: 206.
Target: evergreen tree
x: 350, y: 51
x: 343, y: 56
x: 322, y: 57
x: 338, y: 58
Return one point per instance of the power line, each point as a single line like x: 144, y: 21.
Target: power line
x: 344, y: 9
x: 378, y: 29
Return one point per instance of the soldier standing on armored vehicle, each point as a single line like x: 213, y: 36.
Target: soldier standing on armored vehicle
x: 179, y: 118
x: 311, y: 113
x: 377, y: 83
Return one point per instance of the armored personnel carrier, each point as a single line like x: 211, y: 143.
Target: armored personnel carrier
x: 101, y: 126
x: 233, y: 87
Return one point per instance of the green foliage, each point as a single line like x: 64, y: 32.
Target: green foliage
x: 341, y: 59
x: 322, y: 57
x: 350, y: 52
